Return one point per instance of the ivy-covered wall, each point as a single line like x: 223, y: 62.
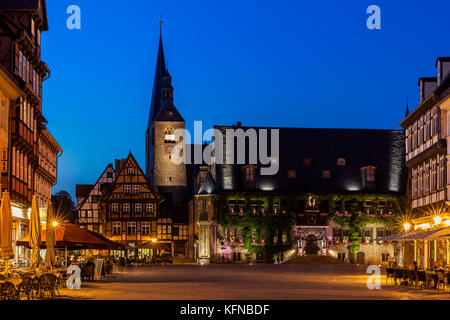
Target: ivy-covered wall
x: 350, y: 211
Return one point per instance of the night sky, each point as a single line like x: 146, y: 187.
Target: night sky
x: 264, y: 63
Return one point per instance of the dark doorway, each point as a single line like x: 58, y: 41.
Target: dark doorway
x: 311, y: 246
x: 360, y: 258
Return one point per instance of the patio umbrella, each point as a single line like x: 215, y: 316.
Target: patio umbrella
x: 35, y: 234
x: 6, y: 250
x: 73, y: 237
x: 50, y: 238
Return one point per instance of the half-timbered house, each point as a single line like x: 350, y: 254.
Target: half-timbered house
x: 129, y: 210
x: 88, y: 206
x: 27, y: 168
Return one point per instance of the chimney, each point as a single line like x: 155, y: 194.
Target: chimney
x: 238, y: 124
x: 118, y: 164
x: 443, y: 69
x: 427, y: 87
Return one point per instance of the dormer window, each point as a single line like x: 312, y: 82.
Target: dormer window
x: 307, y: 162
x: 250, y: 176
x: 368, y: 175
x: 130, y: 171
x: 292, y: 174
x: 341, y: 162
x: 326, y: 174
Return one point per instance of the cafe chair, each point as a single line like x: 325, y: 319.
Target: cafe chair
x: 390, y: 273
x: 440, y: 280
x: 25, y: 288
x: 8, y: 291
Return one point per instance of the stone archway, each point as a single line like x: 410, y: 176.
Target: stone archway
x: 311, y: 246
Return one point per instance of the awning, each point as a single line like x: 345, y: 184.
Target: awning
x: 435, y: 234
x: 73, y: 237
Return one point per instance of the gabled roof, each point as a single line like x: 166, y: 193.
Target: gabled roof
x: 129, y: 159
x: 84, y: 188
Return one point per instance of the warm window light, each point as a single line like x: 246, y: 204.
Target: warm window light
x: 447, y: 222
x: 437, y: 220
x: 406, y: 226
x: 154, y: 240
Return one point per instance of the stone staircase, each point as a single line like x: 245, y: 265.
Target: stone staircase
x: 314, y: 259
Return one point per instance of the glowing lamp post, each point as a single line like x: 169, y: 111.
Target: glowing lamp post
x: 437, y: 220
x: 406, y: 227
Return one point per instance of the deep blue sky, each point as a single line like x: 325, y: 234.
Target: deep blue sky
x: 268, y: 63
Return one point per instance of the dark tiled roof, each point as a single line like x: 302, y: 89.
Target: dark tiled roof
x: 383, y: 149
x: 160, y: 70
x: 19, y: 4
x: 169, y: 113
x: 83, y: 190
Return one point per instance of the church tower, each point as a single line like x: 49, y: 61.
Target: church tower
x: 163, y: 120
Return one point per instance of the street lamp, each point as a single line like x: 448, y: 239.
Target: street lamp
x: 154, y: 240
x: 437, y: 220
x: 406, y: 226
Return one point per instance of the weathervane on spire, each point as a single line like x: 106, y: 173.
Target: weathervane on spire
x: 160, y: 24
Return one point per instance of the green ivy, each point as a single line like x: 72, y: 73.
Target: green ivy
x: 351, y: 206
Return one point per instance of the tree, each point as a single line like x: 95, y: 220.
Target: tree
x: 64, y: 206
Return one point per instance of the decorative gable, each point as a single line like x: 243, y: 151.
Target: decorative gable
x: 131, y: 183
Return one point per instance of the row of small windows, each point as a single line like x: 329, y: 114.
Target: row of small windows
x: 428, y: 176
x: 146, y: 228
x: 131, y: 189
x: 138, y: 207
x: 422, y: 130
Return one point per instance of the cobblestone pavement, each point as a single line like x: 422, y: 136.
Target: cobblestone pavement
x: 244, y: 282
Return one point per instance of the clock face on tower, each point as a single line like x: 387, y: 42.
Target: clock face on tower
x: 169, y: 149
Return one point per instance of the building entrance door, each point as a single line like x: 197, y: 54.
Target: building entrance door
x: 311, y: 246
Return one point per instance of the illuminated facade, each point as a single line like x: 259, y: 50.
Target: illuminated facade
x: 334, y: 188
x: 427, y: 151
x: 29, y: 159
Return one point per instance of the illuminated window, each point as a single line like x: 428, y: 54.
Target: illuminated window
x: 326, y: 174
x: 138, y: 207
x: 117, y: 228
x: 169, y: 136
x: 131, y: 227
x: 292, y: 174
x: 341, y: 162
x: 149, y: 208
x: 146, y: 228
x: 33, y: 27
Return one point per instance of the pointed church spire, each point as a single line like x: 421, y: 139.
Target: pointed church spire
x: 407, y: 108
x: 157, y: 82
